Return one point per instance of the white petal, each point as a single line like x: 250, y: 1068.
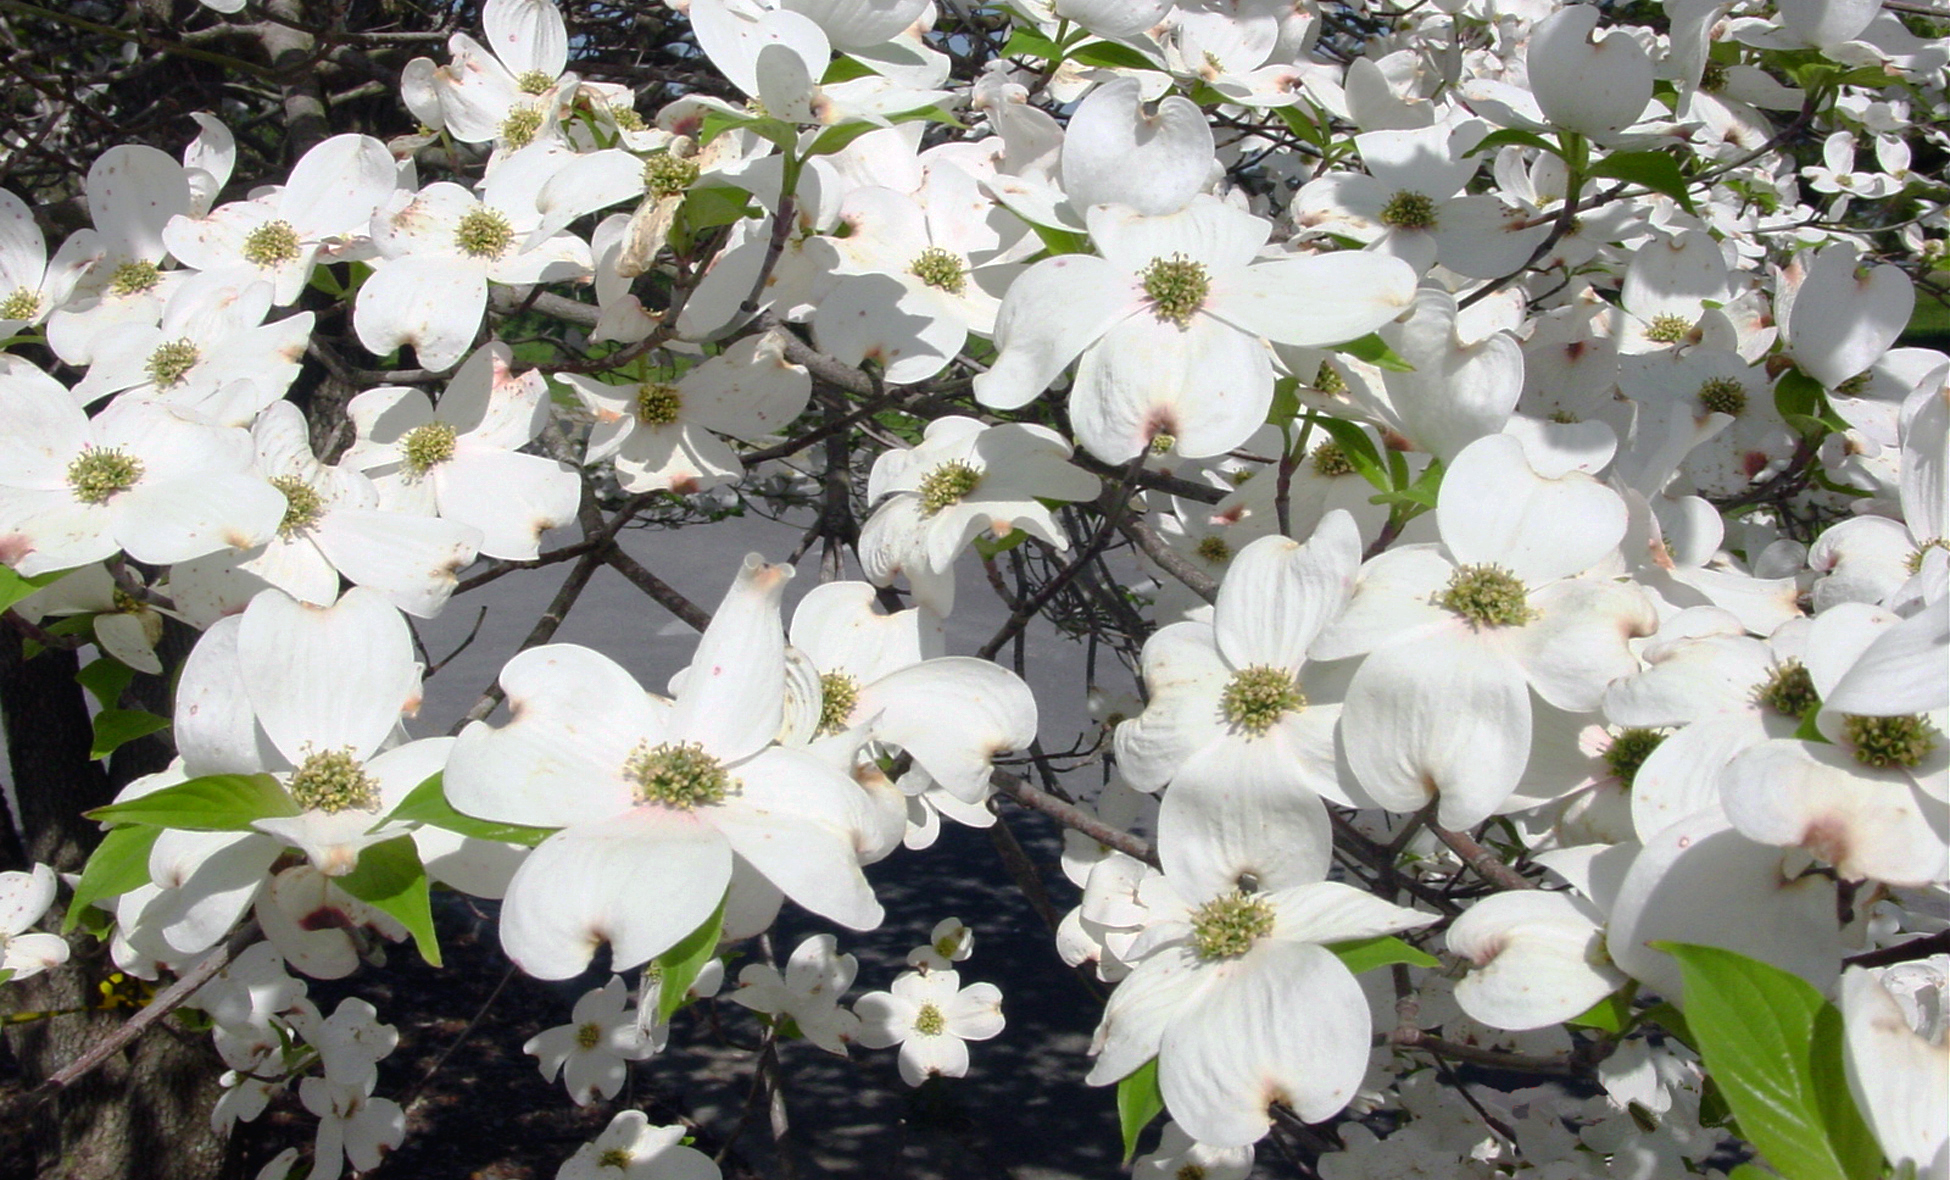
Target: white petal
x: 732, y: 700
x: 993, y: 712
x: 801, y: 824
x: 330, y: 678
x: 1537, y: 958
x: 1495, y: 510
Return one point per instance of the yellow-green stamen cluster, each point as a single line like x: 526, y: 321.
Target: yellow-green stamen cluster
x: 677, y: 774
x: 171, y: 362
x: 1668, y: 328
x: 1409, y: 210
x: 1329, y: 380
x: 939, y: 269
x: 519, y: 128
x: 1723, y: 395
x: 1486, y: 596
x: 838, y: 694
x: 1176, y: 286
x: 947, y: 483
x: 1189, y: 1172
x: 23, y: 304
x: 1854, y: 386
x: 1213, y: 548
x: 1883, y: 742
x: 132, y: 278
x: 1229, y: 925
x: 626, y: 118
x: 331, y: 782
x: 1790, y: 691
x: 126, y: 603
x: 588, y: 1036
x: 1713, y: 78
x: 658, y: 403
x: 1628, y: 751
x: 1564, y: 417
x: 1914, y: 562
x: 1162, y: 442
x: 483, y: 233
x: 272, y: 243
x: 302, y: 505
x: 1330, y: 460
x: 665, y: 175
x: 1258, y: 696
x: 929, y: 1021
x: 425, y: 447
x: 534, y: 82
x: 616, y: 1158
x: 100, y: 472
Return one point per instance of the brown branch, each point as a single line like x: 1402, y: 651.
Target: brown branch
x: 662, y: 592
x: 1415, y: 1038
x: 1482, y: 860
x: 1170, y: 560
x: 1071, y: 816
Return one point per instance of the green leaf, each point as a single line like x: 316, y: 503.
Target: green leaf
x: 1359, y: 450
x: 13, y: 587
x: 119, y: 863
x: 115, y: 728
x: 390, y: 878
x: 1365, y: 954
x: 845, y: 69
x: 989, y: 545
x: 1611, y: 1014
x: 1655, y: 170
x: 836, y: 137
x: 427, y: 804
x: 1307, y: 129
x: 681, y: 963
x: 1750, y: 1172
x: 1514, y: 135
x: 1061, y: 241
x: 1027, y: 42
x: 715, y: 204
x: 1797, y: 393
x: 1286, y: 402
x: 106, y: 679
x: 1673, y: 1021
x: 1111, y: 55
x: 1372, y: 349
x: 1775, y: 1048
x: 1138, y: 1102
x: 214, y: 803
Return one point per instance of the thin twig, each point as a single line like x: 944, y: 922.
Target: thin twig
x: 1072, y: 816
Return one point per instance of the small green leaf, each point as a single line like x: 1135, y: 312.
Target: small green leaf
x: 1359, y: 450
x: 214, y: 803
x: 119, y: 863
x: 1027, y: 42
x: 106, y: 679
x: 1611, y: 1014
x: 681, y: 963
x: 1775, y: 1048
x: 989, y: 545
x: 13, y: 587
x: 836, y: 137
x: 1372, y: 349
x: 115, y: 728
x: 1061, y: 241
x: 1797, y: 393
x: 1111, y: 55
x: 1286, y: 402
x: 1514, y: 135
x: 1673, y: 1021
x: 390, y: 878
x: 1751, y: 1171
x: 845, y: 69
x: 1138, y: 1102
x: 715, y: 204
x: 1362, y: 955
x: 427, y: 804
x: 1655, y: 170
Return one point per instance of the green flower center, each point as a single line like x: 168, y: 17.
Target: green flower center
x: 171, y: 362
x: 271, y: 243
x: 1889, y: 741
x: 929, y: 1021
x: 1713, y: 78
x: 331, y: 782
x: 1487, y: 596
x: 1790, y: 691
x: 131, y: 278
x: 665, y: 175
x: 939, y: 269
x: 23, y: 304
x: 1213, y: 548
x: 1667, y: 328
x: 483, y: 233
x: 947, y: 483
x: 1258, y: 696
x: 126, y: 603
x: 1328, y: 379
x: 677, y: 774
x: 1409, y: 210
x: 1628, y: 751
x: 838, y: 694
x: 302, y: 505
x: 1176, y: 286
x: 1564, y: 417
x: 948, y: 944
x: 534, y: 82
x: 519, y: 128
x: 1162, y: 442
x: 1723, y: 395
x: 626, y: 118
x: 1914, y: 562
x: 658, y: 403
x: 425, y: 447
x: 1331, y: 461
x: 588, y: 1036
x: 616, y: 1158
x: 1229, y: 925
x: 1855, y: 385
x: 100, y: 472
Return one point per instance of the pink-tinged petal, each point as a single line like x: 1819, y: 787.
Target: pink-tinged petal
x: 24, y: 897
x: 44, y: 531
x: 1285, y: 1023
x: 1447, y: 717
x: 679, y: 457
x: 1537, y: 958
x: 733, y: 693
x: 1278, y: 594
x: 1205, y: 383
x: 327, y: 678
x: 1900, y: 1077
x: 1579, y: 643
x: 1495, y: 510
x: 639, y: 881
x: 1311, y: 302
x: 749, y: 391
x: 907, y: 327
x: 802, y: 824
x: 491, y: 405
x: 954, y: 714
x: 511, y: 497
x: 1867, y: 823
x: 163, y: 522
x: 1183, y: 675
x: 1215, y: 832
x: 1391, y: 603
x: 1138, y: 1012
x: 1682, y: 777
x: 1762, y: 906
x: 1116, y: 153
x: 577, y: 716
x: 1055, y: 310
x: 432, y: 303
